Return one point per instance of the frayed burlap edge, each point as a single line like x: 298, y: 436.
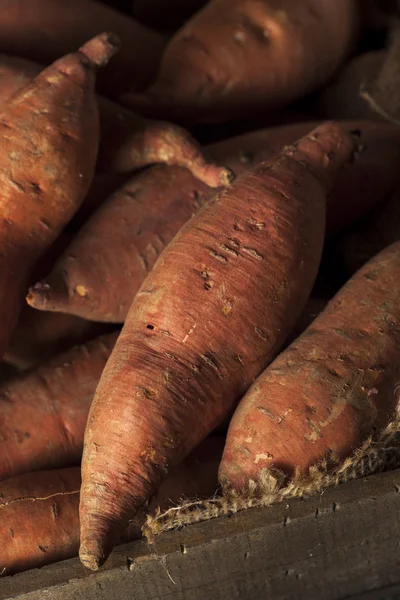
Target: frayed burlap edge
x: 373, y: 456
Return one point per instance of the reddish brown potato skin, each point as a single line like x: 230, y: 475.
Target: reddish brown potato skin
x: 333, y: 387
x: 128, y: 141
x: 104, y: 266
x: 44, y: 30
x: 110, y: 257
x: 41, y: 335
x: 274, y: 52
x: 43, y: 412
x: 45, y: 527
x: 49, y: 135
x: 193, y: 341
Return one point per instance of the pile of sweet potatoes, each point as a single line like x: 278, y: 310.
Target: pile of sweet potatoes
x: 199, y: 267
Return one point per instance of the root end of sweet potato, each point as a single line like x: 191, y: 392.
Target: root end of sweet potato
x: 99, y: 50
x: 43, y: 296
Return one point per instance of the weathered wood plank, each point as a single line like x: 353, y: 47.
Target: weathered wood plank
x: 334, y: 546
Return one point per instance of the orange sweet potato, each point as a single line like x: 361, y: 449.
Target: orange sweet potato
x: 39, y: 511
x: 331, y: 389
x: 49, y: 131
x: 215, y: 309
x: 127, y: 141
x: 99, y: 274
x: 241, y: 56
x: 43, y: 411
x: 44, y: 30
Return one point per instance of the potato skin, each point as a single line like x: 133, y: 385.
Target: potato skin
x: 110, y: 257
x: 274, y: 52
x: 49, y: 133
x: 215, y: 309
x: 44, y: 30
x: 40, y: 517
x: 333, y: 387
x: 44, y: 411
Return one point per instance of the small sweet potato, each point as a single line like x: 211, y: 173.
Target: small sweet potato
x: 336, y: 385
x: 43, y: 411
x: 99, y: 274
x: 206, y: 321
x: 39, y: 521
x: 44, y: 30
x: 238, y: 57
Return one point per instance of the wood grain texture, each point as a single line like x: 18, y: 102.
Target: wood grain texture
x: 340, y: 545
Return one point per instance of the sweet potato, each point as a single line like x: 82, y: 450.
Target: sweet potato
x: 165, y: 15
x: 377, y: 230
x: 382, y: 93
x: 44, y: 30
x: 341, y: 99
x: 49, y: 131
x: 215, y: 309
x: 237, y: 57
x: 101, y: 271
x: 40, y: 335
x: 331, y: 389
x: 44, y: 411
x: 39, y: 511
x: 99, y: 274
x: 128, y: 141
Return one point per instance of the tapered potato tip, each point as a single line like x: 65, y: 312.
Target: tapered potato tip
x: 44, y: 296
x: 92, y: 559
x: 100, y: 49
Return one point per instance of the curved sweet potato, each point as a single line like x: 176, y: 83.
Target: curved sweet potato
x: 39, y: 511
x: 44, y: 411
x: 44, y: 30
x: 215, y: 309
x: 241, y: 56
x: 99, y: 274
x: 49, y: 131
x: 332, y: 388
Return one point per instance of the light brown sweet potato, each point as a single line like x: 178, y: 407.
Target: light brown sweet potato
x: 49, y: 131
x: 332, y: 388
x: 378, y: 229
x: 127, y: 141
x: 213, y: 312
x: 44, y: 30
x: 99, y: 274
x: 39, y: 521
x: 237, y: 57
x: 43, y: 411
